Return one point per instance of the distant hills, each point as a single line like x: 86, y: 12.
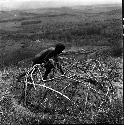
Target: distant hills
x: 80, y: 26
x: 16, y: 14
x: 35, y: 4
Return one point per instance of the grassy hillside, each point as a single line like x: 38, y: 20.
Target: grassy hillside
x: 90, y: 103
x: 74, y: 26
x: 90, y: 92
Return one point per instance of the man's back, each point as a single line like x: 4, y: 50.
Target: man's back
x: 43, y: 56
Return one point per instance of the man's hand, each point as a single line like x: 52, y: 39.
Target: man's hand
x: 52, y: 61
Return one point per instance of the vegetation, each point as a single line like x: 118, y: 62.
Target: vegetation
x: 95, y: 78
x: 74, y: 27
x: 90, y: 103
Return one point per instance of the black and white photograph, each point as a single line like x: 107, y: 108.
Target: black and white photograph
x: 61, y: 62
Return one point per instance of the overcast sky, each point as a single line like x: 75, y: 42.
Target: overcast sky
x: 48, y: 3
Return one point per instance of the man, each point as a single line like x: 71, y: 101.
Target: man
x: 44, y: 56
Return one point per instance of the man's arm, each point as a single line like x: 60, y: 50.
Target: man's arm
x: 58, y: 65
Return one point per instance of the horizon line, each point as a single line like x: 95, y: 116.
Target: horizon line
x: 12, y: 9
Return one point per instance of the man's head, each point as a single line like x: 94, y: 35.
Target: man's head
x: 59, y: 48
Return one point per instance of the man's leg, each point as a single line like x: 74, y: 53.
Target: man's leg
x: 48, y: 67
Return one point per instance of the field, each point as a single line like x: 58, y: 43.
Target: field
x: 93, y: 37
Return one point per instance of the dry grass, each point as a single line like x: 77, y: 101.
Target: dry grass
x: 90, y: 102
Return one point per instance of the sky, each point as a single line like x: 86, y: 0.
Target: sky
x: 12, y: 4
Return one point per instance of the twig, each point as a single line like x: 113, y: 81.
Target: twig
x: 25, y: 92
x: 66, y: 87
x: 87, y: 97
x: 53, y: 90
